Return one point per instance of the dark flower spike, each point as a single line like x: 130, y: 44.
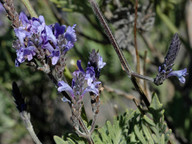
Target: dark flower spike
x: 19, y: 101
x: 96, y: 61
x: 165, y: 70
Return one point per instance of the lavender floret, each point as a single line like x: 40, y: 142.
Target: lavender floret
x: 179, y: 74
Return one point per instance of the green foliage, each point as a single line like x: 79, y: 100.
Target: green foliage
x: 134, y: 126
x: 5, y: 121
x: 73, y: 5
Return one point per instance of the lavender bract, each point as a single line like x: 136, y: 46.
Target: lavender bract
x: 35, y: 37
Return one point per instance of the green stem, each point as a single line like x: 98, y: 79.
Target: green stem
x: 29, y: 8
x: 166, y: 20
x: 89, y: 138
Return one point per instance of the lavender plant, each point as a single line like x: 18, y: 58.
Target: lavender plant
x: 44, y: 47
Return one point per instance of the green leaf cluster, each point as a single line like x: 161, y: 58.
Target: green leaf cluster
x: 133, y: 127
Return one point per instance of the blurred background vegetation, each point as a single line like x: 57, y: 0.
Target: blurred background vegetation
x: 157, y: 22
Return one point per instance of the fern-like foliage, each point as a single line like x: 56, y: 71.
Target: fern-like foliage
x: 133, y: 127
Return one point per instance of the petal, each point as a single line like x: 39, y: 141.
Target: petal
x: 50, y: 35
x: 64, y: 87
x: 90, y: 75
x: 70, y: 34
x: 54, y: 60
x: 79, y: 66
x: 68, y: 46
x: 55, y: 56
x: 41, y: 19
x: 100, y: 62
x: 59, y: 29
x: 92, y: 88
x: 21, y: 34
x: 23, y: 18
x: 64, y: 99
x: 17, y: 63
x: 179, y: 74
x: 182, y: 79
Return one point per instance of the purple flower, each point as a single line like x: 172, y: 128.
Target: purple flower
x: 65, y: 87
x: 35, y: 33
x: 55, y: 56
x: 90, y: 75
x: 25, y: 53
x: 82, y: 83
x: 100, y: 62
x: 179, y: 74
x: 58, y: 30
x: 70, y: 36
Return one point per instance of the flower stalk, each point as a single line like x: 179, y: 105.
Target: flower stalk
x: 29, y: 8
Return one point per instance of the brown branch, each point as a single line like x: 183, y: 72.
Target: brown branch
x: 120, y: 93
x: 135, y: 39
x: 144, y: 72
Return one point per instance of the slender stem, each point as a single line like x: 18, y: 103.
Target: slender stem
x: 111, y: 37
x: 26, y: 118
x: 142, y: 77
x: 29, y: 8
x: 80, y: 133
x: 135, y: 39
x: 144, y: 71
x: 89, y: 138
x: 140, y: 90
x: 95, y: 103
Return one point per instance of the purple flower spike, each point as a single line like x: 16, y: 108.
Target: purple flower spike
x: 56, y: 40
x: 180, y: 74
x: 82, y: 82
